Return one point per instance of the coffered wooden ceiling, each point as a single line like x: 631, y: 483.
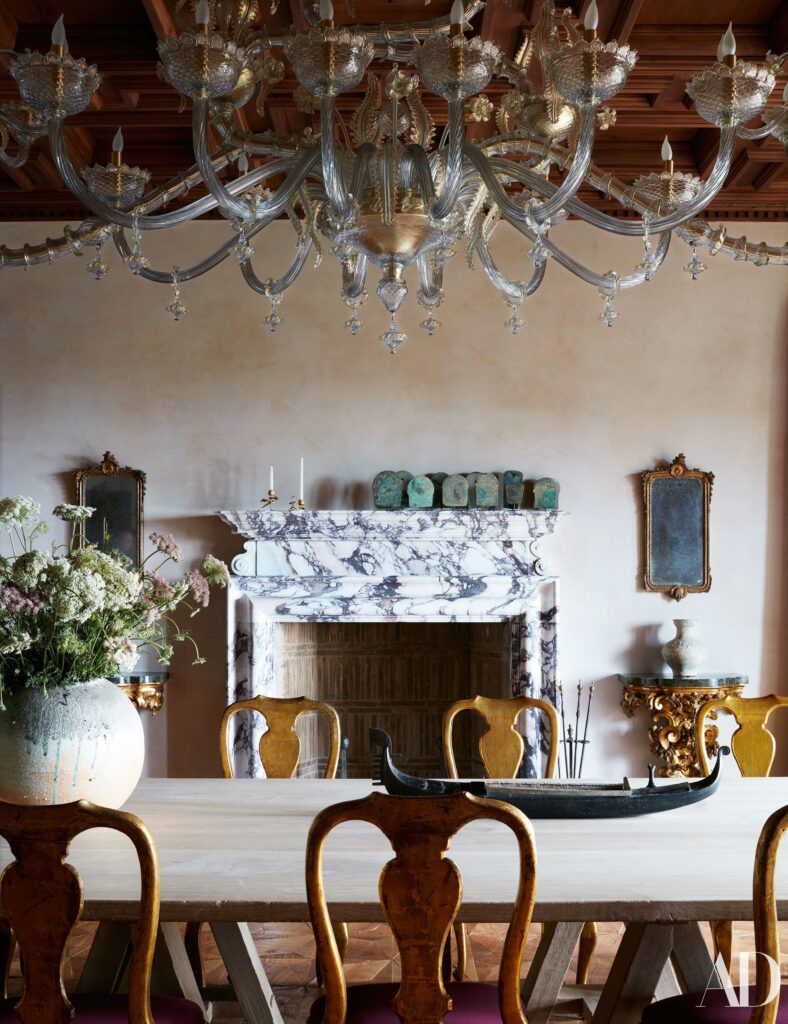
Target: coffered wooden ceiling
x: 674, y: 39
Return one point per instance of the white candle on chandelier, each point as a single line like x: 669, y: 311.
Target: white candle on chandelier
x: 727, y: 47
x: 457, y: 15
x: 591, y: 20
x: 667, y: 155
x: 117, y: 147
x: 243, y: 163
x: 59, y: 33
x: 326, y: 10
x: 301, y: 481
x: 202, y: 15
x: 271, y: 480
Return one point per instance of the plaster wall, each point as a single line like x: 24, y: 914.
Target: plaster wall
x: 205, y: 405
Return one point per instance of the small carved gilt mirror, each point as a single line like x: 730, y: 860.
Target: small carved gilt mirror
x: 677, y: 503
x: 117, y: 494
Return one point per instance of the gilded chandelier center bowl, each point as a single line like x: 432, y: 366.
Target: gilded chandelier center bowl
x: 410, y: 233
x: 329, y: 61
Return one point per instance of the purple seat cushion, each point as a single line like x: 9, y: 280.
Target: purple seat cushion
x: 715, y: 1009
x: 474, y: 1003
x: 115, y: 1010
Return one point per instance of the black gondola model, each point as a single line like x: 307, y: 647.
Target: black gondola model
x: 553, y: 798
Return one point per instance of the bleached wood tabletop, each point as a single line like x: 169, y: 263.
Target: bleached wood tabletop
x: 233, y: 851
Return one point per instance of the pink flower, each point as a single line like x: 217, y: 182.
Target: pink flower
x: 19, y: 603
x: 198, y: 585
x: 165, y: 542
x: 162, y: 590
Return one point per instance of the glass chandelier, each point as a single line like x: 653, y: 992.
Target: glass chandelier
x: 381, y: 190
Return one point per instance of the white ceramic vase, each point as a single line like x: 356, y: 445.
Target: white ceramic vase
x: 686, y: 652
x: 80, y: 742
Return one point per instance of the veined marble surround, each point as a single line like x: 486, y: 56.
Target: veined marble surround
x: 409, y: 565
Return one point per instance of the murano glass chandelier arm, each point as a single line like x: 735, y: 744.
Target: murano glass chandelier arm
x: 416, y: 165
x: 185, y: 273
x: 278, y: 285
x: 511, y: 290
x: 70, y: 243
x: 364, y: 157
x: 332, y: 169
x: 19, y: 159
x: 353, y: 281
x: 430, y: 279
x: 257, y: 144
x: 779, y: 119
x: 230, y: 207
x: 386, y: 36
x: 577, y: 171
x: 453, y: 176
x: 489, y: 167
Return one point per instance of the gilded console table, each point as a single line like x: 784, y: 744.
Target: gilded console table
x: 145, y: 690
x: 673, y: 702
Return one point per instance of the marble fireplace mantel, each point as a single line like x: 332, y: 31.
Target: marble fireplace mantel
x: 409, y: 565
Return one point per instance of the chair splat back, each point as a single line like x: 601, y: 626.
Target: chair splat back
x: 753, y: 745
x: 280, y: 745
x: 421, y: 892
x: 501, y: 746
x: 42, y: 898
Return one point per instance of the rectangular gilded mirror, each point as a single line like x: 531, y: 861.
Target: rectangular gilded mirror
x: 117, y: 494
x: 677, y: 503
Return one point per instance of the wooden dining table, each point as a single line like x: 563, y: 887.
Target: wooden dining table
x: 231, y: 851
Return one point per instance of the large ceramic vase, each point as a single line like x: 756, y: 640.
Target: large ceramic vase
x: 80, y: 742
x: 686, y: 652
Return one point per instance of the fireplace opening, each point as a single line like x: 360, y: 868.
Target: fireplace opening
x: 397, y: 676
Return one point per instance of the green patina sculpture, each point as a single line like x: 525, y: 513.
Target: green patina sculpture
x: 455, y: 492
x: 421, y: 492
x: 437, y: 480
x: 546, y: 491
x: 513, y: 488
x: 388, y: 489
x: 397, y: 489
x: 487, y: 489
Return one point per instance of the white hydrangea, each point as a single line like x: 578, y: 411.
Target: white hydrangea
x: 18, y: 511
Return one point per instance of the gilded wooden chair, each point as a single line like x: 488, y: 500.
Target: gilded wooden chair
x: 712, y: 1006
x: 280, y: 752
x: 754, y: 749
x: 41, y: 896
x: 501, y: 748
x: 280, y: 745
x: 421, y: 891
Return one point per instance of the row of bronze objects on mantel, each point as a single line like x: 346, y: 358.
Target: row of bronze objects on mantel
x: 401, y: 489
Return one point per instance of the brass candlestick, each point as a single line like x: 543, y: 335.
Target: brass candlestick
x: 297, y: 505
x: 270, y: 500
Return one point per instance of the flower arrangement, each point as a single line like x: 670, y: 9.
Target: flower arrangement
x: 71, y: 613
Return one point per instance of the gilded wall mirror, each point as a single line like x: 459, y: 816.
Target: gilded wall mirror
x: 117, y: 494
x: 676, y: 533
